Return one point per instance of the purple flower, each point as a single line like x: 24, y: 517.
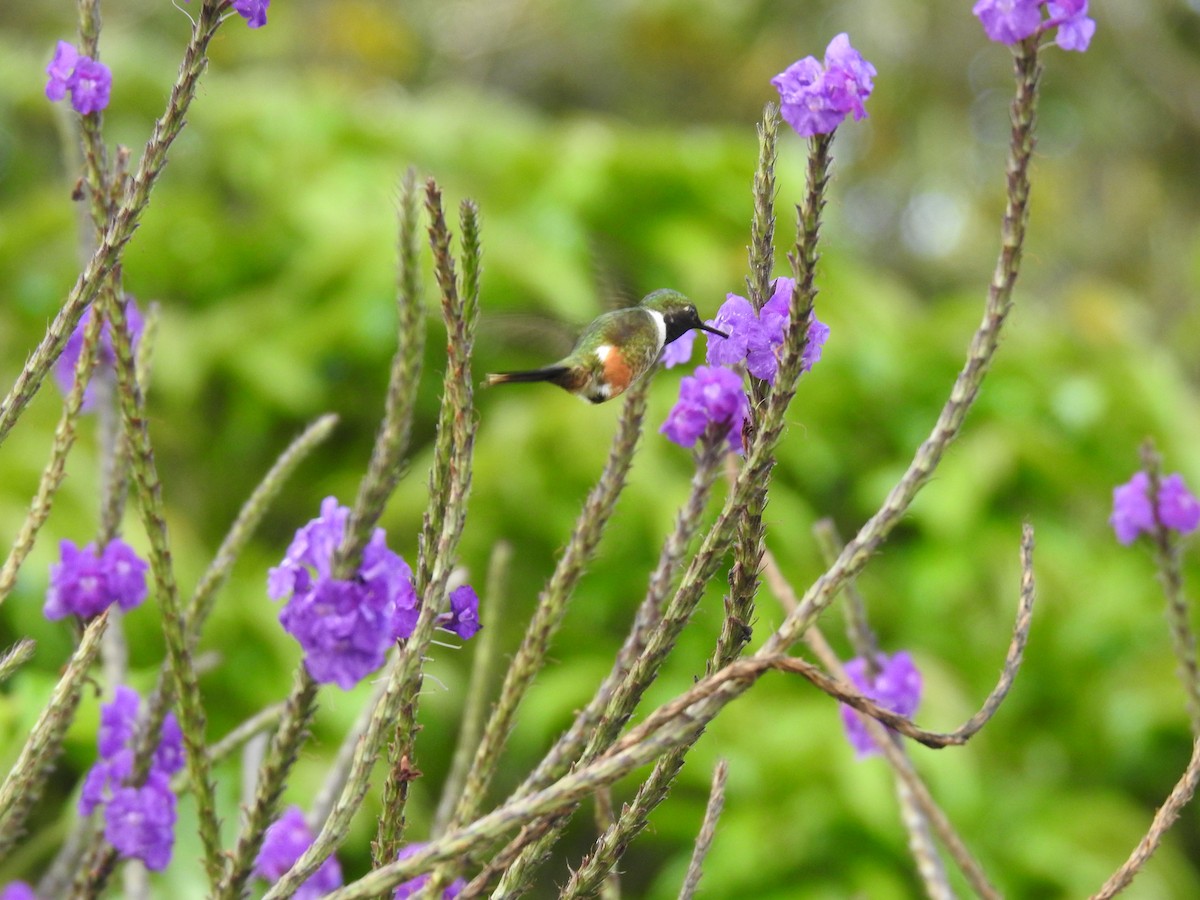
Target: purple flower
x: 679, y: 350
x: 125, y: 574
x: 1075, y: 27
x: 140, y: 821
x: 815, y: 98
x: 463, y: 618
x: 757, y: 340
x: 345, y: 626
x: 253, y: 11
x: 89, y: 81
x: 17, y: 890
x: 285, y: 842
x: 60, y: 69
x: 897, y: 687
x: 1009, y: 21
x: 713, y: 394
x: 64, y: 368
x: 413, y: 886
x: 90, y: 86
x: 85, y: 583
x: 1132, y: 513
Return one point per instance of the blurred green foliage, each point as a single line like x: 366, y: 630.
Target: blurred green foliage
x: 613, y: 144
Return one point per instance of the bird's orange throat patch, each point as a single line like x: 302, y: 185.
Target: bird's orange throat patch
x: 618, y: 374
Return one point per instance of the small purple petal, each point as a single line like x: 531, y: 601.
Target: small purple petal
x: 679, y: 351
x: 818, y: 334
x: 463, y: 618
x: 60, y: 69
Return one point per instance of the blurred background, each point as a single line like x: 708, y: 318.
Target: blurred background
x: 610, y: 147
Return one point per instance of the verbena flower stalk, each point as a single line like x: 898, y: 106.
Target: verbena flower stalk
x: 449, y: 478
x: 357, y: 609
x: 449, y: 482
x: 151, y: 508
x: 1165, y: 516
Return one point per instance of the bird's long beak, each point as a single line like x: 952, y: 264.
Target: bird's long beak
x: 711, y: 330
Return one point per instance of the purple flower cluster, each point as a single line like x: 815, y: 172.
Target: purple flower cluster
x: 89, y: 82
x: 17, y: 890
x: 1132, y: 513
x: 897, y: 687
x: 413, y: 886
x: 815, y: 98
x: 347, y: 626
x: 757, y: 338
x: 86, y: 582
x: 64, y: 368
x: 138, y: 821
x: 1012, y: 21
x: 713, y: 394
x: 284, y: 842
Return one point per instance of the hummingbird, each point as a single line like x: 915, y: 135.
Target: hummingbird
x: 618, y: 348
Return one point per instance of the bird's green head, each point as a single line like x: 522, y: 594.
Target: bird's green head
x: 678, y: 312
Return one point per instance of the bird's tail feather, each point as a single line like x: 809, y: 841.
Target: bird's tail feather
x: 554, y: 374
